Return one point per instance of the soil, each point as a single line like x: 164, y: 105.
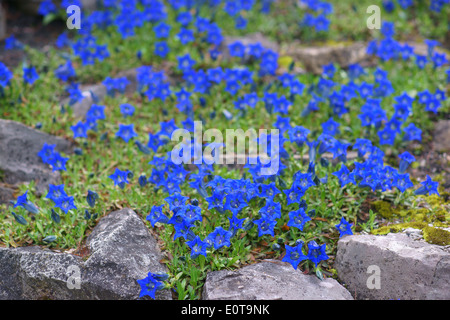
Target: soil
x: 29, y: 30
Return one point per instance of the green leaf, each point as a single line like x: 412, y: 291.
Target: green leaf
x: 49, y: 18
x: 319, y: 274
x: 39, y: 227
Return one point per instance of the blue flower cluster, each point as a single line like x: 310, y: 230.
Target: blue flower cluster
x: 49, y: 155
x: 435, y: 5
x: 319, y: 22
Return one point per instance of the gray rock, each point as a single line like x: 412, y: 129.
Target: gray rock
x: 409, y: 269
x: 34, y: 273
x: 2, y: 22
x: 270, y: 280
x: 314, y: 58
x: 122, y: 251
x: 441, y: 139
x: 246, y: 40
x: 6, y: 193
x: 19, y: 162
x: 422, y: 49
x: 92, y: 94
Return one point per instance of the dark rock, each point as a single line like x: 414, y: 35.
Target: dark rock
x: 2, y: 22
x: 32, y: 6
x: 441, y: 139
x: 408, y: 268
x: 270, y: 280
x: 19, y: 160
x: 121, y: 252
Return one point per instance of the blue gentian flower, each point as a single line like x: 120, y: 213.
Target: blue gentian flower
x: 30, y: 75
x: 161, y: 49
x: 5, y: 75
x: 412, y: 133
x: 65, y: 71
x: 294, y: 255
x: 91, y: 198
x: 190, y: 213
x: 156, y: 215
x: 126, y: 132
x: 388, y: 29
x: 271, y: 210
x: 406, y: 159
x: 185, y: 63
x: 75, y: 94
x: 237, y: 49
x: 198, y: 247
x: 266, y: 225
x: 428, y: 187
x: 363, y: 146
x: 56, y: 193
x: 58, y: 162
x: 47, y: 152
x: 316, y: 253
x: 20, y: 219
x: 115, y: 85
x: 149, y: 286
x: 162, y: 30
x: 185, y: 36
x: 298, y: 219
x: 55, y: 216
x: 405, y: 4
x: 402, y: 181
x: 344, y: 228
x: 120, y: 178
x: 184, y: 18
x: 344, y: 176
x: 96, y: 112
x: 79, y: 130
x: 219, y: 238
x: 329, y: 70
x: 66, y: 203
x: 12, y: 43
x: 46, y: 7
x: 235, y: 224
x: 421, y: 61
x: 22, y: 201
x: 142, y: 181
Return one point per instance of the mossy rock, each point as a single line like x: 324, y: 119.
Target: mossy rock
x: 433, y: 235
x: 437, y: 236
x: 394, y: 228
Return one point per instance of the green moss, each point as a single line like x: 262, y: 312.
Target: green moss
x: 434, y: 200
x: 394, y: 228
x: 431, y: 235
x: 436, y: 209
x: 383, y: 208
x: 436, y: 236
